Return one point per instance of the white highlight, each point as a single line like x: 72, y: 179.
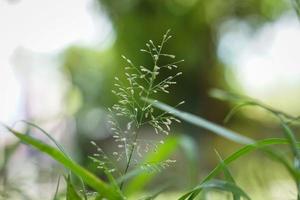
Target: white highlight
x: 267, y: 63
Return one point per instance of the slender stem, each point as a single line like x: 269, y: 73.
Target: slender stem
x: 136, y: 134
x: 139, y: 122
x: 129, y: 159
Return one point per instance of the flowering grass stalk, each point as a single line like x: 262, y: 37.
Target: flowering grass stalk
x: 141, y: 81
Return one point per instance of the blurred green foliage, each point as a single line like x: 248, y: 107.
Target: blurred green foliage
x: 196, y: 27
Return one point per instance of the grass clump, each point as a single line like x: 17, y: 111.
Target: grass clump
x: 126, y: 118
x: 137, y: 108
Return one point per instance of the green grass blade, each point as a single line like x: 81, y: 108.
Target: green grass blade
x: 284, y: 118
x: 203, y: 123
x: 245, y: 150
x: 163, y: 152
x: 71, y: 192
x: 290, y: 135
x: 112, y: 180
x: 248, y: 101
x: 60, y: 147
x: 56, y: 190
x: 218, y: 185
x: 296, y: 5
x: 240, y: 153
x: 235, y: 109
x: 89, y: 178
x: 227, y: 174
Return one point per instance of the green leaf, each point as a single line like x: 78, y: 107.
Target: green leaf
x: 296, y: 5
x: 248, y: 101
x: 56, y: 190
x: 236, y: 108
x: 240, y: 153
x: 290, y: 135
x: 163, y: 152
x: 218, y: 185
x: 71, y: 192
x: 89, y: 178
x: 203, y: 123
x: 284, y: 119
x: 228, y: 176
x: 60, y: 147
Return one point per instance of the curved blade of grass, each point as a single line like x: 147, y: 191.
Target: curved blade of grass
x: 71, y: 192
x: 219, y: 185
x: 203, y: 123
x: 227, y: 174
x: 60, y: 147
x: 162, y: 153
x: 57, y: 188
x: 296, y: 5
x: 288, y: 133
x: 112, y: 180
x: 284, y: 120
x: 234, y: 110
x: 248, y: 101
x: 242, y: 152
x: 89, y: 178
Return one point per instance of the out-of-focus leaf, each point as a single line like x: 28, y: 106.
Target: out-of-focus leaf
x: 228, y: 176
x: 59, y: 146
x: 71, y: 192
x: 162, y: 153
x: 248, y: 101
x: 89, y: 178
x: 284, y: 118
x: 240, y: 153
x: 203, y: 123
x: 290, y: 135
x: 296, y: 5
x: 216, y: 184
x: 56, y: 190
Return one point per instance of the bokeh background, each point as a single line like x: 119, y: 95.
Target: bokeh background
x: 58, y: 60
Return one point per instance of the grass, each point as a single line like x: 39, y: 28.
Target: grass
x: 137, y: 112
